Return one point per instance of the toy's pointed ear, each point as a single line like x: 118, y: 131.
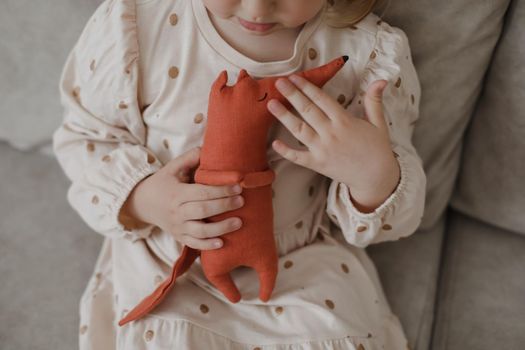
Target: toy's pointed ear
x: 243, y: 74
x: 221, y: 81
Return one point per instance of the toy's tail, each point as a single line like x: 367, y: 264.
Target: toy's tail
x: 182, y: 264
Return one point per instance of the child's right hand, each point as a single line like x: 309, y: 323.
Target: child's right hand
x: 168, y: 200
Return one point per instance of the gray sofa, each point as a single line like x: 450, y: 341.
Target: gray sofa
x: 457, y: 283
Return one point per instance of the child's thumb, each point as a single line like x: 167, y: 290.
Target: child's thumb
x: 374, y: 103
x: 183, y: 165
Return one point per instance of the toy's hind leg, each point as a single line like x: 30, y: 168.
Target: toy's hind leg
x: 267, y: 278
x: 225, y: 284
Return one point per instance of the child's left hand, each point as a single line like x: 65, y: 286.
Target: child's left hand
x: 341, y: 146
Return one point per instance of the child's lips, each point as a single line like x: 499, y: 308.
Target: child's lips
x: 257, y: 27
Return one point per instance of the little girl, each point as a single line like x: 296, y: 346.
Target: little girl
x: 135, y: 90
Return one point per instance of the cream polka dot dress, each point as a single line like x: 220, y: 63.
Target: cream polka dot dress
x: 134, y: 90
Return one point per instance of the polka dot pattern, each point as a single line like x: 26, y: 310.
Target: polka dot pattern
x: 174, y: 19
x: 151, y: 159
x: 148, y: 336
x: 204, y: 308
x: 312, y: 53
x: 173, y: 72
x: 398, y: 82
x: 76, y: 92
x: 344, y: 267
x: 198, y: 118
x: 155, y: 230
x: 361, y: 228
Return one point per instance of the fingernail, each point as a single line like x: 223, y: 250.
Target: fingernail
x: 236, y: 188
x: 217, y: 244
x: 275, y: 106
x: 283, y: 85
x: 237, y: 223
x: 296, y: 79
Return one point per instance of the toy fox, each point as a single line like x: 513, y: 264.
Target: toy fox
x: 234, y: 152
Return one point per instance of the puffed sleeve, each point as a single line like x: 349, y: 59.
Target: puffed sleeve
x: 401, y: 213
x: 100, y: 143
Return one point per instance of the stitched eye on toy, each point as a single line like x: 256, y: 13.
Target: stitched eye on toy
x: 263, y: 98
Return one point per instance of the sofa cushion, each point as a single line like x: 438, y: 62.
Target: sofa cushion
x: 491, y: 184
x: 481, y: 299
x: 47, y: 255
x: 408, y: 270
x: 451, y: 46
x: 36, y: 37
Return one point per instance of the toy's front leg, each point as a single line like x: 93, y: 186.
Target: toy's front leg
x: 217, y: 177
x: 225, y: 177
x: 258, y: 178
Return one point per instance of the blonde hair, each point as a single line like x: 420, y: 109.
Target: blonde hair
x: 346, y: 13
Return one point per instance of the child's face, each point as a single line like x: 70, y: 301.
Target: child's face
x: 262, y: 17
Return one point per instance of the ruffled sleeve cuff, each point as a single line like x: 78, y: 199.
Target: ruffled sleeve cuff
x: 99, y: 194
x: 398, y: 216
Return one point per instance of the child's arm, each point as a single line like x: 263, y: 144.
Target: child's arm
x: 400, y: 214
x: 101, y: 142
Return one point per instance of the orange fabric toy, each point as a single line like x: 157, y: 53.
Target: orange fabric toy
x: 234, y: 151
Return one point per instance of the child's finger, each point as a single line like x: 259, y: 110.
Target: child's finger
x: 201, y: 244
x: 182, y: 165
x: 374, y: 104
x: 294, y: 155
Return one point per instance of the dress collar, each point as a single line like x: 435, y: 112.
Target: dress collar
x: 255, y: 68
